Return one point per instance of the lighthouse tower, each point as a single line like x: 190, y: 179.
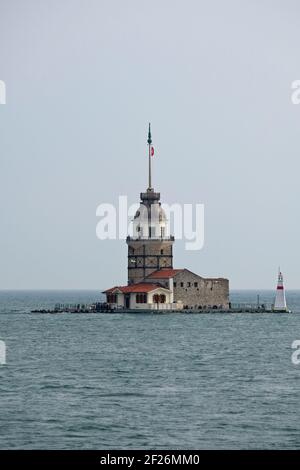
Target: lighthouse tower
x: 150, y: 247
x: 280, y: 302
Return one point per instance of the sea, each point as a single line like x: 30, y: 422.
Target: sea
x: 147, y: 381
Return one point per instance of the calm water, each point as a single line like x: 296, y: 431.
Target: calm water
x: 147, y: 381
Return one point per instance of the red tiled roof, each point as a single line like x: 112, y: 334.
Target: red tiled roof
x: 108, y: 291
x: 164, y: 273
x: 140, y: 287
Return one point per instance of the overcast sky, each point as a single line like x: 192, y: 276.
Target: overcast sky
x: 83, y: 80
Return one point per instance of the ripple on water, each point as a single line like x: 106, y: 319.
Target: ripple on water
x: 161, y: 381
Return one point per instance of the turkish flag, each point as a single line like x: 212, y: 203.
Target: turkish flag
x: 152, y: 151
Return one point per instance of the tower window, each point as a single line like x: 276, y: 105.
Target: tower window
x: 161, y: 252
x: 189, y: 284
x: 151, y: 232
x: 195, y: 284
x: 181, y: 284
x: 174, y: 284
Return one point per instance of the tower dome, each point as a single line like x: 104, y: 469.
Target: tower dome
x: 150, y: 221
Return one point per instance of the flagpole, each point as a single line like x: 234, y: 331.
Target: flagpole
x: 149, y: 145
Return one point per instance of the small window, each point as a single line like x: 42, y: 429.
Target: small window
x: 141, y: 298
x: 189, y: 284
x: 152, y: 232
x: 195, y: 284
x: 112, y: 298
x: 161, y: 252
x: 181, y: 284
x: 174, y: 284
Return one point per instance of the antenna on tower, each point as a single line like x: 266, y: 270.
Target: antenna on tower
x: 150, y: 154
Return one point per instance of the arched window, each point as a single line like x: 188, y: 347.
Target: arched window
x: 162, y: 298
x: 156, y: 298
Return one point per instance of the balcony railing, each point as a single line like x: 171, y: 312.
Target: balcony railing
x: 169, y: 238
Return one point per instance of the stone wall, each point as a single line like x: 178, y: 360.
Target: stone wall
x: 195, y: 291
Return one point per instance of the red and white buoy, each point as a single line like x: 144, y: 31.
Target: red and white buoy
x: 280, y: 301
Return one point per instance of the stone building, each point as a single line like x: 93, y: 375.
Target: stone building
x: 192, y: 290
x: 152, y: 281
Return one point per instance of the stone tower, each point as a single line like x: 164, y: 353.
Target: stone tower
x: 150, y: 247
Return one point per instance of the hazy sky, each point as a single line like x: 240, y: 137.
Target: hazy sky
x: 83, y: 80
